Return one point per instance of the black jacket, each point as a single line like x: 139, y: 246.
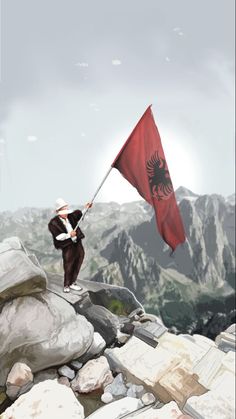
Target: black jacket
x: 57, y: 227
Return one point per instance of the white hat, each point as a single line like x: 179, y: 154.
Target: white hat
x: 60, y: 203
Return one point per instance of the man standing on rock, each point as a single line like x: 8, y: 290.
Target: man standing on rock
x: 68, y: 238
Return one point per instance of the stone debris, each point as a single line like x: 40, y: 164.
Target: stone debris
x: 148, y: 398
x: 46, y: 400
x: 19, y: 380
x: 135, y: 390
x: 66, y: 371
x: 64, y: 381
x: 95, y: 375
x: 117, y: 388
x: 107, y: 398
x: 76, y: 365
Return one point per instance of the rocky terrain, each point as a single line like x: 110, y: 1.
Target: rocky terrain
x: 97, y: 353
x: 124, y: 248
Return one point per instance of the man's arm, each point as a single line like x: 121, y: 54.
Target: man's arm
x: 63, y: 236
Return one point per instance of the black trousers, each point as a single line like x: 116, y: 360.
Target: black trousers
x: 73, y: 256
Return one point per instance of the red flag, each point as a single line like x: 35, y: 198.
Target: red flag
x: 142, y: 162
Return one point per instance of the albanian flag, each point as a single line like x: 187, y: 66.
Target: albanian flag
x: 142, y: 162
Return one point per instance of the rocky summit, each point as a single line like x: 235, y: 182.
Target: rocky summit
x: 97, y: 353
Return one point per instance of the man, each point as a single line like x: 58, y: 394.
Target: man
x: 68, y: 238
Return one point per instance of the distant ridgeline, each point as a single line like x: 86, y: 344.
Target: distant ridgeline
x: 193, y: 290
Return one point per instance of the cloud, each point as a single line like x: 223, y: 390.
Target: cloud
x: 167, y: 59
x: 2, y: 141
x: 116, y: 61
x: 82, y: 64
x: 178, y: 31
x: 32, y: 138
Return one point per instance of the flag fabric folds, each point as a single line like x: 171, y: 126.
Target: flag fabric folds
x: 142, y: 162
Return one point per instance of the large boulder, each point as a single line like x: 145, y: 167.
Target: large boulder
x: 18, y: 274
x: 41, y: 330
x: 46, y: 400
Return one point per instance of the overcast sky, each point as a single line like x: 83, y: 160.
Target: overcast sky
x: 77, y: 75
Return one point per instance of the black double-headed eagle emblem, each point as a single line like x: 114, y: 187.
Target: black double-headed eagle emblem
x: 159, y: 178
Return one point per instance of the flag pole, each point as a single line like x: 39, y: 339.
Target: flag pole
x: 94, y: 196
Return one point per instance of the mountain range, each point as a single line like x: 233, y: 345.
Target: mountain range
x: 192, y: 289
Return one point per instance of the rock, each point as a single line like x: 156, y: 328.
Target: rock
x: 122, y: 337
x: 95, y: 349
x: 103, y: 321
x: 117, y: 388
x: 179, y: 384
x: 54, y: 335
x: 169, y: 411
x: 210, y: 405
x: 107, y: 397
x: 148, y: 398
x: 141, y: 362
x: 19, y: 380
x: 65, y: 371
x: 64, y: 381
x: 49, y: 374
x: 157, y: 329
x: 94, y: 375
x: 76, y: 365
x: 147, y: 317
x: 226, y: 341
x: 118, y: 300
x: 135, y: 314
x: 18, y: 275
x: 46, y: 400
x: 135, y: 390
x: 185, y: 348
x: 117, y: 409
x: 208, y: 366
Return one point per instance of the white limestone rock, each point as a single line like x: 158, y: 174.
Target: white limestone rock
x: 46, y: 400
x: 139, y: 360
x: 117, y: 409
x: 210, y: 405
x: 96, y: 374
x: 41, y: 330
x: 208, y: 366
x: 169, y: 411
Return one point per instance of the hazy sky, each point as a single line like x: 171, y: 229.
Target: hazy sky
x: 77, y: 75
